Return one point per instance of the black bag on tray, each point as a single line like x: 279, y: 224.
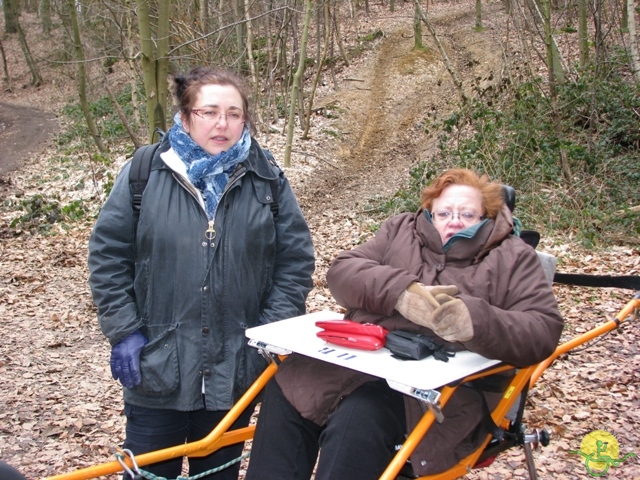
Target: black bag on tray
x: 416, y: 346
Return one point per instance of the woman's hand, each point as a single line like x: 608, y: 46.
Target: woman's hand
x: 125, y: 359
x: 436, y: 308
x: 418, y: 302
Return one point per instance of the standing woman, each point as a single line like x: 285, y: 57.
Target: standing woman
x: 220, y: 246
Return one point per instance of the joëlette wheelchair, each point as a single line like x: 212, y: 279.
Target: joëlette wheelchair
x: 507, y: 415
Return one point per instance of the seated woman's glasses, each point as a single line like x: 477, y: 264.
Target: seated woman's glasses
x: 468, y: 218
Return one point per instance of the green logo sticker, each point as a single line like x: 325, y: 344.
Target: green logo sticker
x: 600, y: 451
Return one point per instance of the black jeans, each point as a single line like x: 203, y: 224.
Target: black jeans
x: 358, y: 441
x: 150, y: 429
x: 7, y: 472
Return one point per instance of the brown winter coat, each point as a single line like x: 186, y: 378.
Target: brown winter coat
x: 514, y: 313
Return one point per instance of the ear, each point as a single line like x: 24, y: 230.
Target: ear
x: 184, y: 118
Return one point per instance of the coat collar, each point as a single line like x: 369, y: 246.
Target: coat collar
x: 256, y: 162
x: 488, y: 236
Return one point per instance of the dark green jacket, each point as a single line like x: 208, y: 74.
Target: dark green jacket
x: 194, y: 297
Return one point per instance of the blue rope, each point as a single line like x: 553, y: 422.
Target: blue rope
x: 151, y: 476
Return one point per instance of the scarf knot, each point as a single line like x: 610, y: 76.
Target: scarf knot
x: 208, y: 173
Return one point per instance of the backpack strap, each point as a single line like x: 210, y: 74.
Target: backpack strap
x: 275, y: 184
x: 139, y: 173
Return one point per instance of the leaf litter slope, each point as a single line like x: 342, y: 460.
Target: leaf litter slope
x: 61, y: 410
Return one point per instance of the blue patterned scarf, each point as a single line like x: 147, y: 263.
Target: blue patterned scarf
x: 208, y: 173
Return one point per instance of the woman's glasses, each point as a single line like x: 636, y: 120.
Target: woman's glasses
x: 468, y: 218
x: 213, y: 116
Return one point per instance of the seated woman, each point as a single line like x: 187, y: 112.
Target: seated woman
x: 453, y: 270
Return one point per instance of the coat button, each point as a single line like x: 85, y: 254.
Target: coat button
x: 205, y: 330
x: 206, y: 373
x: 205, y: 288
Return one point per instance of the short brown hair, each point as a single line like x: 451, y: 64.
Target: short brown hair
x: 187, y: 87
x: 492, y: 199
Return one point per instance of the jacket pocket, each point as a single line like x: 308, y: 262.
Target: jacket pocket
x: 159, y: 365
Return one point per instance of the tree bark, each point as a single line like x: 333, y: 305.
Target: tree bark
x: 448, y: 64
x: 249, y: 43
x: 123, y: 118
x: 4, y: 66
x: 297, y: 79
x: 155, y: 63
x: 10, y: 8
x: 633, y: 40
x: 323, y: 58
x: 336, y: 24
x: 162, y: 69
x: 44, y: 10
x: 583, y: 35
x: 36, y: 78
x: 417, y: 30
x: 82, y: 78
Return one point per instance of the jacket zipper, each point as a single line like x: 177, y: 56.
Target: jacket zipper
x: 210, y: 232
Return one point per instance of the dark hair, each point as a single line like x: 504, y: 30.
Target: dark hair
x: 187, y: 87
x: 492, y: 199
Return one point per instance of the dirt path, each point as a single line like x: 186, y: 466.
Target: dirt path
x: 24, y: 131
x: 384, y: 106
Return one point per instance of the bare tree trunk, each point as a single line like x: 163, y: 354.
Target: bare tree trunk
x: 123, y: 118
x: 323, y: 58
x: 523, y: 30
x: 332, y: 67
x: 298, y: 57
x: 133, y: 73
x: 553, y: 94
x: 155, y: 63
x: 82, y: 76
x: 4, y: 66
x: 162, y: 62
x: 633, y: 40
x: 583, y: 34
x: 336, y: 24
x: 10, y: 8
x: 148, y: 63
x: 417, y: 30
x: 297, y: 79
x: 448, y: 64
x: 286, y: 71
x: 271, y: 68
x: 478, y: 14
x: 249, y: 43
x: 553, y: 58
x: 44, y: 10
x: 36, y: 78
x: 240, y: 41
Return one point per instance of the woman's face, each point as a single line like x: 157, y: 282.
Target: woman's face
x: 457, y: 207
x: 216, y: 120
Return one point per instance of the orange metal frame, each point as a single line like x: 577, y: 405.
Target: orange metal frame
x: 221, y: 437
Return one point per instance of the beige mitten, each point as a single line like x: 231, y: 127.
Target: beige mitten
x: 418, y: 302
x: 452, y: 321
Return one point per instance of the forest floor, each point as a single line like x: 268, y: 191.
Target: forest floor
x: 61, y: 410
